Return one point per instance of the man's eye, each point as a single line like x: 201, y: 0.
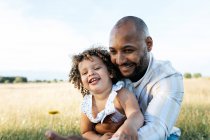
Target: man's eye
x: 112, y: 52
x: 128, y: 51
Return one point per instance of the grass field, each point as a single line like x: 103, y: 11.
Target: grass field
x: 24, y: 110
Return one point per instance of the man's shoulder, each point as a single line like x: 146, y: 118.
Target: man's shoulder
x: 160, y: 63
x: 165, y: 67
x: 159, y: 70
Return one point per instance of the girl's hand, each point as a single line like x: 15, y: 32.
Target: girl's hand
x: 106, y: 136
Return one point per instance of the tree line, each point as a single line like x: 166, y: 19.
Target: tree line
x: 20, y: 79
x: 189, y: 75
x: 17, y: 79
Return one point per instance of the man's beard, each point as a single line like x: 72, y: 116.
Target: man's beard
x: 140, y: 68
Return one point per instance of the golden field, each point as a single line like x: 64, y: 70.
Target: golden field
x: 24, y: 110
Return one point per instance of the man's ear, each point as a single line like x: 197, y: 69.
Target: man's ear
x: 149, y: 43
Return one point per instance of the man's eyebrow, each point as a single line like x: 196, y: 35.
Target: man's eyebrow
x: 127, y: 47
x: 124, y: 47
x: 111, y: 47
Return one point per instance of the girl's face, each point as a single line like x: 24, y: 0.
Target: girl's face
x: 94, y: 75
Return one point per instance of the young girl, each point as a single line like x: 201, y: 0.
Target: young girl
x: 107, y: 107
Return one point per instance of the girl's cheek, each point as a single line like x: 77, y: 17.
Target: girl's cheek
x: 83, y: 79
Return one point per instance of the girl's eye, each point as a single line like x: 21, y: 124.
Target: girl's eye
x: 84, y: 73
x: 97, y: 68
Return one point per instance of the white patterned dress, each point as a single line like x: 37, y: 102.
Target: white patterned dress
x: 109, y: 107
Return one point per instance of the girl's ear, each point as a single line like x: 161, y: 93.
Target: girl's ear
x: 111, y: 75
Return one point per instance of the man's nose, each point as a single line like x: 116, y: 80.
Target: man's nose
x: 120, y: 59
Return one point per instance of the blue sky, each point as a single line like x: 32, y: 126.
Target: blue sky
x: 37, y: 37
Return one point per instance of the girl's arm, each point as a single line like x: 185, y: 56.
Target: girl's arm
x: 86, y: 128
x: 87, y: 131
x: 132, y: 111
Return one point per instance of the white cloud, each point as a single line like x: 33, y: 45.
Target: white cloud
x: 29, y: 43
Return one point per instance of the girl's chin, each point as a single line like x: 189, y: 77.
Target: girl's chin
x: 96, y: 90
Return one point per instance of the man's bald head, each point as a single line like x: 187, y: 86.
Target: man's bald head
x: 141, y: 27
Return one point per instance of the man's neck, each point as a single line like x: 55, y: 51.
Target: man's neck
x: 140, y: 72
x: 138, y: 75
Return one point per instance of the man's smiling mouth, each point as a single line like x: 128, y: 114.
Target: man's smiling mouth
x: 126, y: 66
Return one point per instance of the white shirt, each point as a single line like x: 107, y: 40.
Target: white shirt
x: 159, y: 93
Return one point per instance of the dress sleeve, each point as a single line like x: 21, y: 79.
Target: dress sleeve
x: 118, y: 86
x: 84, y: 105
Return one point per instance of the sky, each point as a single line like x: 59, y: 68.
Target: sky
x: 38, y: 37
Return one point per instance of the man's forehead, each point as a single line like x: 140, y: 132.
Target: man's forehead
x: 123, y: 39
x: 123, y: 33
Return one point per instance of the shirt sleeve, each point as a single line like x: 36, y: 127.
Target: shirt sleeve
x: 163, y: 109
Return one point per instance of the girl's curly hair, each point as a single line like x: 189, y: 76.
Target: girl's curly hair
x: 100, y: 52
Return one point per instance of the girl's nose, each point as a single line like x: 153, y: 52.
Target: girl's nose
x: 90, y: 73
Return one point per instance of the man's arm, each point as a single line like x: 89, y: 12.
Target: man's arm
x: 134, y: 116
x: 163, y: 110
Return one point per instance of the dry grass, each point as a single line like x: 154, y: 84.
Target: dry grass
x: 194, y: 119
x: 197, y: 91
x: 24, y: 110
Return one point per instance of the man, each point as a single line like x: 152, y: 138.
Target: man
x: 156, y: 84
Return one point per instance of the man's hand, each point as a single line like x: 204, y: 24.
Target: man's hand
x: 126, y: 132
